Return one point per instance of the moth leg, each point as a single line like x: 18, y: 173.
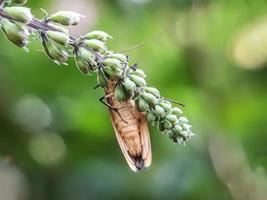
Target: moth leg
x: 97, y: 86
x: 134, y: 66
x: 114, y: 109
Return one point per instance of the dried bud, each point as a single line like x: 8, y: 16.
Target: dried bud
x: 18, y: 13
x: 171, y: 118
x: 129, y: 85
x: 113, y: 63
x: 140, y: 73
x: 119, y: 93
x: 118, y: 56
x: 16, y: 33
x: 150, y: 98
x: 176, y: 111
x: 153, y: 91
x: 99, y: 35
x: 81, y: 65
x: 101, y: 79
x: 66, y: 18
x: 58, y: 37
x: 159, y: 110
x: 96, y: 45
x: 87, y: 56
x: 19, y: 2
x: 57, y: 54
x: 138, y: 80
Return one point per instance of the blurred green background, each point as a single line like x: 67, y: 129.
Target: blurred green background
x: 56, y: 139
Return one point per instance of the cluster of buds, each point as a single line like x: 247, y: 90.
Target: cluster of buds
x: 92, y: 56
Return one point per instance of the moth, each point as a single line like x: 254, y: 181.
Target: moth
x: 130, y: 128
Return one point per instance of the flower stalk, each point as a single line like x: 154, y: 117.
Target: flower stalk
x: 92, y: 56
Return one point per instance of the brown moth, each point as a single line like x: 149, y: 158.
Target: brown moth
x: 131, y: 130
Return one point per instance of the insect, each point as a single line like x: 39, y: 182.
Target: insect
x: 130, y: 128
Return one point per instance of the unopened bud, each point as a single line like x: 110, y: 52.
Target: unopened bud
x: 183, y: 120
x: 81, y: 65
x: 114, y: 72
x: 161, y: 127
x: 58, y: 37
x: 57, y: 54
x: 66, y: 18
x: 142, y: 105
x: 16, y: 33
x: 167, y: 107
x: 171, y: 118
x: 150, y: 98
x: 119, y: 93
x: 129, y: 85
x: 101, y: 79
x: 96, y: 45
x: 153, y: 91
x: 150, y: 117
x: 138, y: 80
x: 19, y: 2
x: 113, y: 63
x: 118, y: 56
x: 176, y: 111
x: 159, y: 110
x: 167, y: 124
x: 87, y: 56
x: 18, y: 13
x: 140, y: 73
x: 99, y: 35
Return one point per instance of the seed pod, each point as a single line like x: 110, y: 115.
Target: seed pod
x: 119, y: 93
x: 19, y: 2
x: 150, y: 117
x: 167, y: 124
x: 102, y: 79
x: 171, y: 118
x: 58, y: 37
x: 138, y: 80
x: 118, y: 56
x: 18, y: 13
x: 57, y: 54
x: 66, y: 18
x: 183, y: 120
x: 150, y: 98
x: 87, y: 56
x: 15, y: 33
x: 140, y: 73
x: 167, y: 107
x: 99, y: 35
x: 159, y: 110
x: 176, y: 111
x: 143, y: 105
x: 96, y: 45
x: 81, y: 65
x: 129, y: 85
x: 153, y: 91
x: 113, y: 63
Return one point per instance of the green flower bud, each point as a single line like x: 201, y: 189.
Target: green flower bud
x: 66, y: 18
x: 129, y: 85
x: 15, y: 33
x: 150, y: 117
x: 140, y: 73
x: 171, y: 118
x: 18, y: 13
x: 114, y: 72
x: 96, y: 45
x: 159, y: 110
x: 87, y: 56
x: 150, y: 98
x: 178, y: 128
x: 99, y: 35
x: 113, y: 63
x: 101, y: 79
x: 119, y: 93
x: 167, y: 124
x: 57, y: 54
x: 167, y: 107
x: 176, y: 111
x: 58, y: 28
x: 20, y: 2
x: 58, y: 37
x: 142, y: 105
x: 153, y: 91
x: 183, y: 120
x: 118, y: 56
x: 81, y: 65
x: 138, y: 80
